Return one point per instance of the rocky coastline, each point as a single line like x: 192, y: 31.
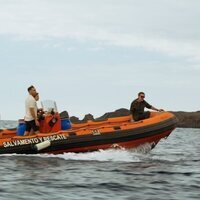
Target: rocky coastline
x: 185, y: 119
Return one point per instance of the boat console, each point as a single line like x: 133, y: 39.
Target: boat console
x: 50, y: 121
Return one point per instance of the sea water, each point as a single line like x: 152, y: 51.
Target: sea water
x: 8, y: 124
x: 170, y: 171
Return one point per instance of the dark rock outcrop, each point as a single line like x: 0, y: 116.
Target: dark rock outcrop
x: 75, y: 120
x: 118, y: 113
x: 186, y: 119
x: 88, y: 117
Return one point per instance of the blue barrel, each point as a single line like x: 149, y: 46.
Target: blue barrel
x: 65, y: 124
x: 21, y: 128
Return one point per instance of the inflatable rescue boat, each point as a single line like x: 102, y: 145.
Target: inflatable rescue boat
x: 118, y: 132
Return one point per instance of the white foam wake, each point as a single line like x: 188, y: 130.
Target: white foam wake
x: 116, y: 155
x: 102, y: 155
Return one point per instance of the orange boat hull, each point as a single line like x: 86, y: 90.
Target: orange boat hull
x: 117, y: 132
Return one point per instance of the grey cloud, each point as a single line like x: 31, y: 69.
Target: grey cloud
x: 167, y: 26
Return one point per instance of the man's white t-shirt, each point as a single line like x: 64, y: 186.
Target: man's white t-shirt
x: 30, y: 103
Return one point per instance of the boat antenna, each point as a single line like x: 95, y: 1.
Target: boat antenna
x: 55, y: 105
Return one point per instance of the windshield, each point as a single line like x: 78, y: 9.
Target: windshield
x: 49, y: 106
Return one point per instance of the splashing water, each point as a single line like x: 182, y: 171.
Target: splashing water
x: 115, y: 155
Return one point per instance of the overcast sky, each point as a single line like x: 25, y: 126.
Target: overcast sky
x: 94, y: 56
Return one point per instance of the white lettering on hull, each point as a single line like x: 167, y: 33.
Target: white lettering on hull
x: 33, y: 140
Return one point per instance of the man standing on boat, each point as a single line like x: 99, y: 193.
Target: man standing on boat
x: 32, y: 123
x: 137, y: 108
